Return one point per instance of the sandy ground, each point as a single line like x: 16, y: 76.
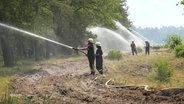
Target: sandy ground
x: 70, y: 83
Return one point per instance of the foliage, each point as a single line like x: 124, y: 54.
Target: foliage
x: 19, y: 13
x: 64, y: 20
x: 182, y: 2
x: 139, y: 49
x: 115, y: 54
x: 166, y: 46
x: 124, y: 12
x: 173, y: 41
x: 164, y: 72
x: 97, y: 12
x: 80, y: 14
x: 179, y: 50
x: 29, y: 15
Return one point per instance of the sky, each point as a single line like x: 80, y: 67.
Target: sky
x: 155, y: 13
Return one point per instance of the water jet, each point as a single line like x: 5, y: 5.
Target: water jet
x: 34, y: 35
x: 119, y: 39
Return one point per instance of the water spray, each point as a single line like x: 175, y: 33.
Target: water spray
x: 35, y: 35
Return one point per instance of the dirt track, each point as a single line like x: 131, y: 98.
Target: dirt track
x: 69, y: 83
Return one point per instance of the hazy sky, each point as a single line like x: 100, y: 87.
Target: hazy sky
x: 155, y: 13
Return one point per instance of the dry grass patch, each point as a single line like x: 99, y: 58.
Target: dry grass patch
x: 141, y: 69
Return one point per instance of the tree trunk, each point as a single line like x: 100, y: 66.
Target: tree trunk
x: 38, y: 51
x: 7, y: 52
x: 47, y: 49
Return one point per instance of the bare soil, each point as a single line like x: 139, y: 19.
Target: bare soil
x: 70, y: 83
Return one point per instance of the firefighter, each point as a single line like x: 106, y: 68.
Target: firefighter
x: 133, y: 48
x: 90, y: 54
x: 147, y: 48
x: 99, y: 58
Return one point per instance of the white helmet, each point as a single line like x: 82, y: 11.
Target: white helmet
x: 98, y: 44
x: 90, y: 40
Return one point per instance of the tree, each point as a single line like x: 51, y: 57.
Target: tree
x: 124, y: 12
x: 7, y: 51
x: 65, y: 20
x: 72, y: 17
x: 18, y: 13
x: 173, y: 41
x: 182, y: 2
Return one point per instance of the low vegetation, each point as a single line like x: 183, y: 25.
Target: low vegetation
x: 6, y: 75
x: 173, y: 40
x: 160, y: 66
x: 154, y: 69
x: 179, y: 50
x: 163, y: 72
x: 115, y: 55
x: 140, y: 49
x: 21, y: 67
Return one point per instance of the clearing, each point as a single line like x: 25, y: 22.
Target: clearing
x: 68, y: 82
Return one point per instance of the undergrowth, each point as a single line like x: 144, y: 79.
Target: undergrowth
x: 10, y: 98
x: 21, y: 67
x: 6, y: 75
x: 159, y: 69
x: 115, y: 54
x: 163, y: 72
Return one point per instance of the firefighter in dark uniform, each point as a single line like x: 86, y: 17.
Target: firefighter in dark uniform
x: 90, y: 54
x: 99, y: 58
x: 133, y: 48
x: 147, y: 48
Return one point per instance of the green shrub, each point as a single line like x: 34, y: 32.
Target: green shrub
x: 164, y: 72
x: 179, y: 50
x: 166, y: 46
x: 139, y: 49
x: 173, y: 41
x: 157, y: 47
x: 115, y: 54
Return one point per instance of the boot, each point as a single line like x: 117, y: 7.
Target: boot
x: 101, y: 71
x: 92, y: 71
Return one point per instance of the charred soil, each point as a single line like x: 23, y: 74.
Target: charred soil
x: 69, y: 83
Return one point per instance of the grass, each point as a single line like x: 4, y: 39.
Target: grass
x: 163, y: 70
x: 129, y: 70
x: 4, y: 82
x: 21, y: 67
x: 6, y: 75
x: 140, y: 69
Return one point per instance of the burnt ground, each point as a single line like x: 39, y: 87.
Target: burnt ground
x: 70, y: 83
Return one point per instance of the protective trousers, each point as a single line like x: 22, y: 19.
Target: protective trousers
x: 91, y: 64
x: 99, y: 64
